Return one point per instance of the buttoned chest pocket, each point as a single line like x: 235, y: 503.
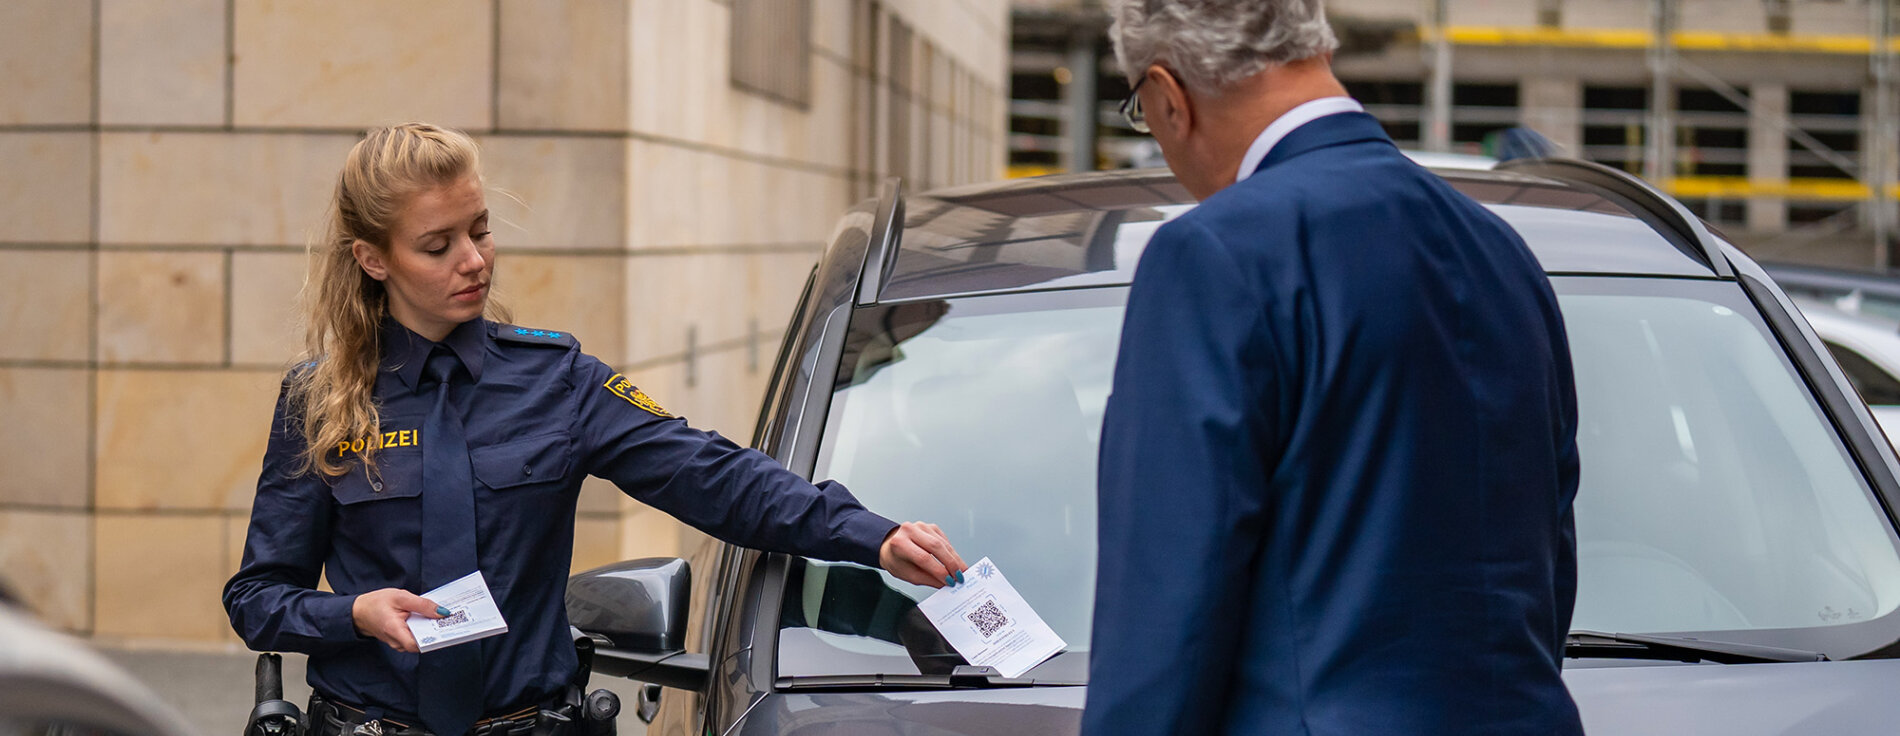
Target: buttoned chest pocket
x: 523, y: 463
x: 398, y: 471
x: 397, y: 475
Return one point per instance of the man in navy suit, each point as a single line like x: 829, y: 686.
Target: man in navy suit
x: 1338, y: 464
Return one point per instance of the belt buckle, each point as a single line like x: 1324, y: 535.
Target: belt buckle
x: 369, y: 728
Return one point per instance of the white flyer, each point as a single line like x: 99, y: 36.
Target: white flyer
x: 989, y: 623
x: 472, y: 614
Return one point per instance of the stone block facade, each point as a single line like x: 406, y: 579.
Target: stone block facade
x: 167, y: 163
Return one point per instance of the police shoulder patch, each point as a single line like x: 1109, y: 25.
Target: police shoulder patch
x: 532, y: 336
x: 619, y: 386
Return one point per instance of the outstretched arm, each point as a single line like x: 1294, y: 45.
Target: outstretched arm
x: 737, y: 494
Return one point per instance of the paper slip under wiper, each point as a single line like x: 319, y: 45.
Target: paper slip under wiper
x: 990, y: 624
x: 472, y: 615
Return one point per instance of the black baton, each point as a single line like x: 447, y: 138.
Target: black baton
x: 272, y: 716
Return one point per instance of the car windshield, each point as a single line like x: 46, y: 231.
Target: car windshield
x: 1715, y: 495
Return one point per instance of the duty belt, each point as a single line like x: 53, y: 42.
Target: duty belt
x: 331, y: 718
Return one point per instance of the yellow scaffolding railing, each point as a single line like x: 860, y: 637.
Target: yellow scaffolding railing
x: 1637, y: 38
x: 1740, y: 187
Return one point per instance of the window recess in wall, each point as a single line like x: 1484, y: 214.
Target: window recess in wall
x: 772, y: 48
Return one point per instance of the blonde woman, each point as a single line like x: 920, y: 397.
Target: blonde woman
x: 420, y: 441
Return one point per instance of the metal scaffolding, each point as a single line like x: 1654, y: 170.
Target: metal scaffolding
x: 1880, y: 150
x: 1438, y: 90
x: 1876, y: 172
x: 1781, y: 148
x: 1659, y: 143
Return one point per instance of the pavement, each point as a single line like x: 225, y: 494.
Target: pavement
x: 214, y: 689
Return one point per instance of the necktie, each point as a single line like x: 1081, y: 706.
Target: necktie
x: 451, y: 686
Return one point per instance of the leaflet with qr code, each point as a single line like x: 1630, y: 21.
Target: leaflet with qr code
x: 472, y: 615
x: 989, y: 623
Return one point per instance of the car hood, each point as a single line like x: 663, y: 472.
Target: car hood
x: 1732, y: 700
x: 1024, y: 711
x: 1739, y: 699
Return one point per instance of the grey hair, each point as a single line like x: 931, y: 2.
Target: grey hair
x: 1211, y: 44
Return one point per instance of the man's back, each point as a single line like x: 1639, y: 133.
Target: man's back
x: 1348, y: 388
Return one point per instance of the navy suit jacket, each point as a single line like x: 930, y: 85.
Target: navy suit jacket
x: 1338, y: 464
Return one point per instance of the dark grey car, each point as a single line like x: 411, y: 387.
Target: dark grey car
x: 950, y: 360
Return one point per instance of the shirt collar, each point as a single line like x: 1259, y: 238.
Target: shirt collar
x: 404, y: 351
x: 1305, y: 113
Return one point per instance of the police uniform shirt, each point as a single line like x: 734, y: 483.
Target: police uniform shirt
x: 540, y: 415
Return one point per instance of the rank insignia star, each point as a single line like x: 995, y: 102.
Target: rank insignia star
x: 531, y: 336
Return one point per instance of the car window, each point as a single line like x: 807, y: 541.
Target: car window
x: 1715, y: 495
x: 1877, y: 387
x: 981, y: 415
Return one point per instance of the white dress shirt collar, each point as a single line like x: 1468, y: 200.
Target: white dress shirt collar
x: 1307, y: 112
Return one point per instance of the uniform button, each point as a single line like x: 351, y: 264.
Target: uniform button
x: 527, y: 470
x: 376, y: 486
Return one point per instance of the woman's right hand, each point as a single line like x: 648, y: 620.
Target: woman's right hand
x: 384, y: 614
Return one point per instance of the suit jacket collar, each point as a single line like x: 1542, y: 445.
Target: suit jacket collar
x: 1332, y: 130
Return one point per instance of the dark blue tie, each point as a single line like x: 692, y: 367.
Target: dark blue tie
x: 451, y: 686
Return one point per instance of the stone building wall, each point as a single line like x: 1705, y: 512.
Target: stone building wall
x: 166, y: 162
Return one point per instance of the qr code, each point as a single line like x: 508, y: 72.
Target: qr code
x: 988, y: 618
x: 459, y: 617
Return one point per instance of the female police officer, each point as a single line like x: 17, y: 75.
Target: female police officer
x: 419, y: 442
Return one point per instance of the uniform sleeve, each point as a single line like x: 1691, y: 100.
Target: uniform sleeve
x: 1179, y: 470
x: 734, y: 493
x: 272, y: 600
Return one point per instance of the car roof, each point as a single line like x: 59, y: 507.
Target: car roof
x: 1077, y: 230
x: 1440, y: 160
x: 1881, y: 283
x: 1875, y: 337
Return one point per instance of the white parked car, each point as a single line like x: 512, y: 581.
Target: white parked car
x: 1867, y: 346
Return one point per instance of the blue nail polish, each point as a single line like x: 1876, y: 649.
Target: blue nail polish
x: 959, y: 577
x: 949, y: 580
x: 440, y: 611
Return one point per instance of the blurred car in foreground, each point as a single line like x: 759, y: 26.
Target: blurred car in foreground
x: 54, y: 685
x: 950, y: 360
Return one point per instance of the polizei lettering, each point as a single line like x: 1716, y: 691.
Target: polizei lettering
x: 398, y: 438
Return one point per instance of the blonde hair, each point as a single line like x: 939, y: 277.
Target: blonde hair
x: 332, y: 393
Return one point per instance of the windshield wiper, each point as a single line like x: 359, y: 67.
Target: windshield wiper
x: 1598, y: 645
x: 965, y: 677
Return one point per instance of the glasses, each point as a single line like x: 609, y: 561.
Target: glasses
x: 1131, y: 107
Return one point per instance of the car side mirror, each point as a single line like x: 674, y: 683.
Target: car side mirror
x: 638, y: 604
x: 639, y: 607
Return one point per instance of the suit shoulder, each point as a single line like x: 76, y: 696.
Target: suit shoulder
x: 1240, y: 223
x: 506, y: 334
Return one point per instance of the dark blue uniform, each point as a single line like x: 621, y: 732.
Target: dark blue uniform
x: 1338, y: 463
x: 540, y: 416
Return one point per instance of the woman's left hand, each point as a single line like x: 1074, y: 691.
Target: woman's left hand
x: 917, y: 552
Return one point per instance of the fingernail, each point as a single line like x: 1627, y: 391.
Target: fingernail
x: 949, y: 580
x: 959, y: 577
x: 441, y: 611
